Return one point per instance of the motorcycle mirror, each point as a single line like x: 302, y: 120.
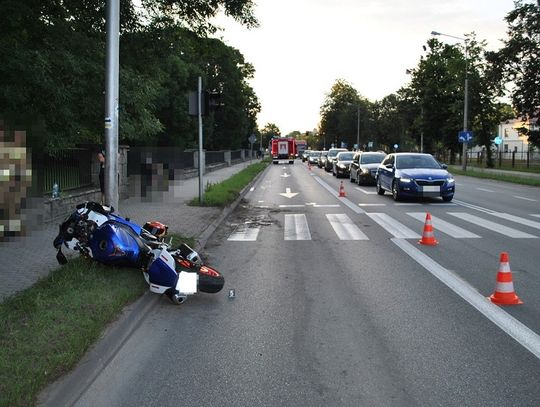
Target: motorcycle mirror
x: 61, y: 258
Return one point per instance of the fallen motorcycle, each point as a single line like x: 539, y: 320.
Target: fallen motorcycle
x: 98, y: 233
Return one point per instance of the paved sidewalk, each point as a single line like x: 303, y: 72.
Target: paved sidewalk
x: 518, y: 174
x: 27, y: 259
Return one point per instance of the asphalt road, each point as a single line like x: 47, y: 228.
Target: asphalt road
x: 337, y: 305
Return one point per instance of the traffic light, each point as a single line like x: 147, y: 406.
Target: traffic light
x: 212, y: 101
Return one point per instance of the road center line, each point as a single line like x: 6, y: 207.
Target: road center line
x: 525, y: 199
x: 335, y: 193
x: 527, y: 338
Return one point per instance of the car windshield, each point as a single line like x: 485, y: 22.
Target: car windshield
x: 371, y: 158
x: 333, y: 153
x: 345, y: 156
x: 416, y: 161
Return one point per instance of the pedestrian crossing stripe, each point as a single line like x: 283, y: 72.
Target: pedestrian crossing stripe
x: 296, y: 227
x: 517, y: 219
x: 496, y: 227
x: 392, y: 226
x: 445, y: 227
x: 345, y: 228
x: 244, y: 233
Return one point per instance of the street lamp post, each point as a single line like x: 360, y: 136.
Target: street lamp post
x: 358, y: 127
x: 466, y: 97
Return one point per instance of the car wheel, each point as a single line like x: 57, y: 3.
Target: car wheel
x: 395, y: 191
x: 447, y: 198
x: 380, y: 191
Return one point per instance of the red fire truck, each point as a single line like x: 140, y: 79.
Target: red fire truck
x: 283, y: 148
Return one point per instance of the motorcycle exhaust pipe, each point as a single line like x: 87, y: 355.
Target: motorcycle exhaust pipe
x: 176, y: 297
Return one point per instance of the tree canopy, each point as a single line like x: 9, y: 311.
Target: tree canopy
x: 53, y: 71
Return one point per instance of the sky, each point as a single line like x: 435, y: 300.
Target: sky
x: 303, y: 46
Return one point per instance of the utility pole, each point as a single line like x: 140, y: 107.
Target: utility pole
x: 111, y: 103
x: 358, y: 127
x: 201, y: 163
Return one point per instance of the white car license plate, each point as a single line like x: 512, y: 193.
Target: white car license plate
x: 431, y: 188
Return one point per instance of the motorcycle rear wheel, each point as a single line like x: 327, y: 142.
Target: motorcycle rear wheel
x: 211, y: 283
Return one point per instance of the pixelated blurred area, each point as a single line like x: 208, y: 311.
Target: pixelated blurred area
x: 15, y: 182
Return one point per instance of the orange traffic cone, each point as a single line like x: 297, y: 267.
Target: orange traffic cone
x: 342, y: 190
x: 428, y: 238
x: 504, y: 290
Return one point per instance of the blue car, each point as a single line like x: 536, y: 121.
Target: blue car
x: 414, y: 175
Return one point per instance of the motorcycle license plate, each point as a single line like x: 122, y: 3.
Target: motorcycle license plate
x: 187, y: 283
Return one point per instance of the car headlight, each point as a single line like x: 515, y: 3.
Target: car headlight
x: 450, y: 180
x: 342, y: 166
x: 405, y: 180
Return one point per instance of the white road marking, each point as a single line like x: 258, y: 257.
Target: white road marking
x: 243, y: 233
x: 443, y: 226
x: 366, y: 192
x: 492, y: 225
x: 537, y: 215
x: 345, y: 228
x: 407, y: 204
x: 335, y: 193
x: 252, y: 189
x: 371, y: 204
x: 288, y: 193
x: 517, y: 219
x: 260, y: 201
x: 525, y: 199
x: 291, y: 206
x: 527, y: 338
x: 296, y: 227
x: 393, y: 226
x: 485, y: 190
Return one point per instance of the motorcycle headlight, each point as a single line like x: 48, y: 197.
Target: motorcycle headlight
x: 405, y: 180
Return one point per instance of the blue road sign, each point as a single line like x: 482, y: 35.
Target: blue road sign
x: 497, y: 140
x: 465, y: 136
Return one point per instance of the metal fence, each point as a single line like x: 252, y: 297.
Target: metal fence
x: 70, y: 169
x: 514, y: 159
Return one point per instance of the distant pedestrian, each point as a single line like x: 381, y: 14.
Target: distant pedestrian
x: 101, y: 158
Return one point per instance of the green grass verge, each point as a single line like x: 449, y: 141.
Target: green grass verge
x: 47, y: 328
x: 478, y: 173
x: 226, y: 192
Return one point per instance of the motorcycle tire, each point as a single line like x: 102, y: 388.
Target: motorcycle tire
x: 210, y: 282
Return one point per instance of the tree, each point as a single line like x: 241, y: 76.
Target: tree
x: 53, y: 72
x: 268, y: 131
x: 518, y: 63
x: 340, y: 111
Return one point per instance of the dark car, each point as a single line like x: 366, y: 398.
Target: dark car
x: 322, y: 159
x: 341, y: 164
x: 364, y: 167
x: 332, y: 153
x: 414, y: 175
x: 313, y: 157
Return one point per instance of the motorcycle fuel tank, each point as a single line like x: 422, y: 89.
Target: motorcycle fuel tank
x: 114, y: 243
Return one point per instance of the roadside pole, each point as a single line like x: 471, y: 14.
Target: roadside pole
x: 201, y: 164
x: 111, y: 103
